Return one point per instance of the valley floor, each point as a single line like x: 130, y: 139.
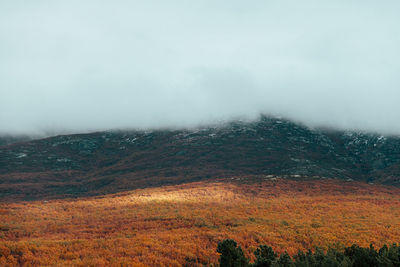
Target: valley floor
x: 178, y: 225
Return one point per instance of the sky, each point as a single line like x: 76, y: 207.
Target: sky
x: 93, y: 65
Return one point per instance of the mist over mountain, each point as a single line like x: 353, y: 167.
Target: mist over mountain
x: 135, y: 94
x: 199, y: 133
x: 87, y: 66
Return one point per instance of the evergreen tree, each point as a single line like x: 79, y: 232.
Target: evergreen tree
x: 265, y: 256
x: 231, y: 254
x: 354, y: 256
x: 362, y: 257
x: 284, y: 261
x: 394, y: 255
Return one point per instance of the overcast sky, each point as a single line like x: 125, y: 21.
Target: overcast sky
x: 93, y: 65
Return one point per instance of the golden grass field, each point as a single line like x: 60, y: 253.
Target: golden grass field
x: 178, y: 225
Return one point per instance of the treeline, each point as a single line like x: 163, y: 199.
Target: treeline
x: 354, y: 256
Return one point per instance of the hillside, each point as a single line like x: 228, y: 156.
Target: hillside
x: 181, y: 225
x: 108, y: 162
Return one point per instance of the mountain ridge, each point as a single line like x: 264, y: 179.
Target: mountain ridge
x: 113, y: 161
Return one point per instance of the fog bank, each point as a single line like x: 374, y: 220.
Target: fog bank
x: 78, y: 66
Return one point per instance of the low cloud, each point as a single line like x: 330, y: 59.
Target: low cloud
x: 83, y: 66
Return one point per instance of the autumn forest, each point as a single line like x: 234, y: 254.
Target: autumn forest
x: 183, y: 224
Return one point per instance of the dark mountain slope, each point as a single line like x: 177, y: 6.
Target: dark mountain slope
x: 10, y: 139
x: 104, y: 162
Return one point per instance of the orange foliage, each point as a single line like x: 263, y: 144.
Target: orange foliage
x: 177, y: 225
